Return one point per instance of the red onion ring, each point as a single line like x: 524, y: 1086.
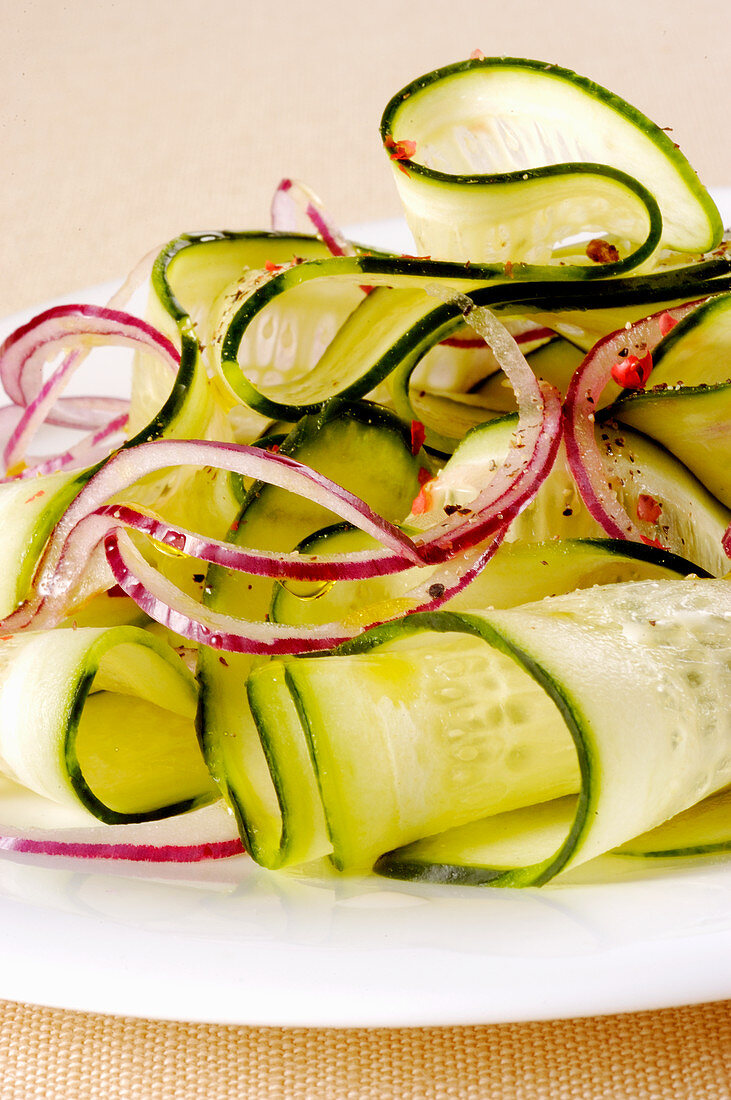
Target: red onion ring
x: 24, y: 352
x: 207, y: 833
x: 292, y: 196
x: 66, y: 557
x: 582, y: 398
x: 95, y: 445
x: 359, y: 565
x: 167, y: 604
x: 531, y: 455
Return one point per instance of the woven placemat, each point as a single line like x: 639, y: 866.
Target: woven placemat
x: 675, y: 1054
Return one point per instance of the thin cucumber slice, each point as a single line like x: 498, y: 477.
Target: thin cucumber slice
x: 410, y: 742
x: 692, y: 423
x: 521, y: 217
x: 698, y: 831
x: 518, y: 573
x: 696, y: 351
x: 493, y: 133
x: 482, y: 852
x: 189, y: 275
x: 408, y: 324
x: 411, y: 725
x: 29, y: 510
x: 102, y: 717
x: 692, y: 520
x: 333, y: 443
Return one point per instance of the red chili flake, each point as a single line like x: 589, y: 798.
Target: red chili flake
x: 648, y: 508
x: 400, y: 150
x: 509, y: 269
x: 116, y: 593
x: 223, y: 661
x: 423, y: 501
x: 40, y: 493
x: 477, y: 55
x: 418, y: 435
x: 601, y: 251
x: 272, y: 267
x: 6, y: 637
x: 632, y: 373
x: 235, y: 525
x: 652, y: 542
x: 273, y: 448
x: 424, y: 475
x: 666, y: 322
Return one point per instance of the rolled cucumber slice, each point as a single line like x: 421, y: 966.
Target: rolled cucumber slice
x: 512, y: 155
x: 28, y: 512
x: 276, y: 803
x: 104, y: 718
x: 411, y: 718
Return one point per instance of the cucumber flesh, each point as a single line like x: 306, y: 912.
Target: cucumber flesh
x: 334, y: 444
x: 416, y: 724
x: 489, y: 125
x: 112, y: 710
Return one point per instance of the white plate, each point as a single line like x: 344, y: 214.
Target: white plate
x: 228, y: 943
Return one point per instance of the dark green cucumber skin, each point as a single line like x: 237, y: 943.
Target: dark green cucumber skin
x: 517, y: 289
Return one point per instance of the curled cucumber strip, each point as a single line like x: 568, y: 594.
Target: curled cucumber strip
x: 506, y: 747
x: 111, y: 712
x: 501, y: 158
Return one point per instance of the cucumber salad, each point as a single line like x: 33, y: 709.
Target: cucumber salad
x: 413, y: 564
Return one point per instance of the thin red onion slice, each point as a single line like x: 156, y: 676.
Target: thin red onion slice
x: 533, y: 448
x: 358, y: 565
x: 95, y: 445
x: 207, y: 833
x: 582, y: 398
x: 24, y: 388
x: 167, y: 604
x: 293, y: 196
x: 29, y: 347
x: 66, y: 558
x: 726, y: 542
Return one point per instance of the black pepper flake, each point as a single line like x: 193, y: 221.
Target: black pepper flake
x: 568, y: 511
x: 223, y: 661
x: 436, y: 590
x: 199, y: 578
x: 623, y: 352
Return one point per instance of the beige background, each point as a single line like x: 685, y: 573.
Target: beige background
x: 124, y: 123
